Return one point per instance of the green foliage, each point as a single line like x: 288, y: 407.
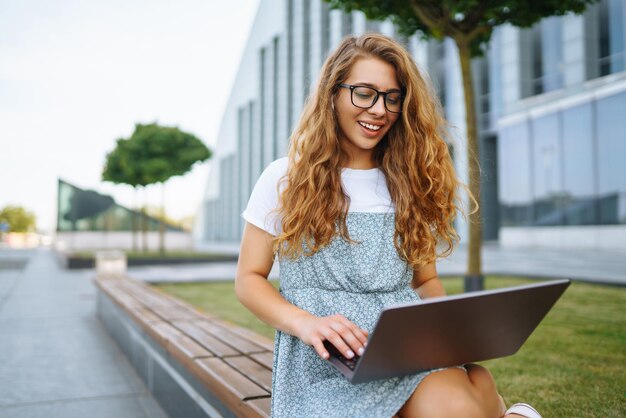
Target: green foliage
x: 473, y: 20
x: 153, y: 154
x: 121, y: 167
x: 18, y: 219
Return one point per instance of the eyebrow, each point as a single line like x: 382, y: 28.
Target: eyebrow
x: 374, y: 87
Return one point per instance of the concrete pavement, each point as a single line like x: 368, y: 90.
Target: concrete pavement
x: 57, y: 360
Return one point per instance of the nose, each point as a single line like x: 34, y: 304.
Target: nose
x: 378, y: 108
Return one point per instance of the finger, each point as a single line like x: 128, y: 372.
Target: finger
x: 336, y: 340
x: 318, y: 345
x: 347, y: 334
x: 359, y: 335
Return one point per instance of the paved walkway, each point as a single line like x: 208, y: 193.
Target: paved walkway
x: 606, y: 267
x: 56, y: 359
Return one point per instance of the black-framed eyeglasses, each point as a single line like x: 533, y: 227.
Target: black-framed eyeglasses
x: 366, y: 97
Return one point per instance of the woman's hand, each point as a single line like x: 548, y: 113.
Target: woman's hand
x: 337, y: 329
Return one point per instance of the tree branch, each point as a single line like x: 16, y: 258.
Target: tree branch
x: 427, y: 18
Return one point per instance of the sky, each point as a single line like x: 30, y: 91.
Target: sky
x: 76, y: 75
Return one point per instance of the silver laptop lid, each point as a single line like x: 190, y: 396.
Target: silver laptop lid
x: 453, y: 330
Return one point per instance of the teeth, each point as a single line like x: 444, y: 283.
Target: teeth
x: 368, y: 126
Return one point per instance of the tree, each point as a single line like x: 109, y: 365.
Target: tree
x: 121, y: 168
x: 154, y: 154
x: 18, y: 219
x: 469, y: 23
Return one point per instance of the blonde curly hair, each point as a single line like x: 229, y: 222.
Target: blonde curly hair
x: 413, y: 156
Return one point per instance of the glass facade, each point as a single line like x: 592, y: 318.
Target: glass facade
x: 552, y: 128
x: 567, y: 167
x: 87, y: 210
x: 579, y: 189
x: 547, y: 55
x: 611, y: 154
x: 612, y: 36
x: 514, y: 176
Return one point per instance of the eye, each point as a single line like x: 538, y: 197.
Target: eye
x: 364, y: 93
x: 393, y: 98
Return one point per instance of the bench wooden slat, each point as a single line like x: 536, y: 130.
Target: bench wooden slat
x: 216, y: 346
x: 225, y: 334
x: 171, y: 337
x: 261, y: 375
x: 266, y: 359
x: 227, y: 377
x: 174, y: 312
x: 261, y: 406
x: 145, y: 316
x: 234, y: 363
x: 250, y: 335
x: 127, y: 301
x: 150, y: 299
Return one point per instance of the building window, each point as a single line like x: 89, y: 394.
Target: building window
x: 612, y: 58
x: 568, y: 169
x: 547, y: 55
x: 579, y: 172
x: 306, y: 47
x: 437, y: 68
x: 611, y: 154
x: 346, y: 24
x: 372, y: 25
x: 325, y: 29
x: 275, y: 135
x: 514, y: 175
x: 546, y: 175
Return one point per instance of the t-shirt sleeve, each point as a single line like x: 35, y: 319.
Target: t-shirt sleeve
x: 261, y: 208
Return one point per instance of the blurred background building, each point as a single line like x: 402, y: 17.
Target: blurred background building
x: 88, y: 220
x: 551, y: 102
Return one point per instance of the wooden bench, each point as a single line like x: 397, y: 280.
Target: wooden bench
x: 232, y: 363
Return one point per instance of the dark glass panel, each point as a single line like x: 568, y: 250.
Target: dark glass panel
x: 611, y: 136
x: 547, y: 178
x: 514, y: 176
x: 578, y: 166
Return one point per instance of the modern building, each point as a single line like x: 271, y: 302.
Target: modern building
x: 88, y: 220
x: 551, y: 101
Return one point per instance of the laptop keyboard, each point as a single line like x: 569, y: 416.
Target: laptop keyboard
x: 349, y: 362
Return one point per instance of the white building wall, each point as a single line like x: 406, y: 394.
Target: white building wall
x: 120, y: 240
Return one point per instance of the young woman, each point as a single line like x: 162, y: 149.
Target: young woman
x: 357, y: 215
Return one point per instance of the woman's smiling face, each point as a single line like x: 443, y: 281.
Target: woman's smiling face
x: 362, y: 129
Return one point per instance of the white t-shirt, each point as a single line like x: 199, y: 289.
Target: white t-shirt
x: 367, y: 190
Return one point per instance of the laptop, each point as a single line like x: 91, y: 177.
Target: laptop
x: 450, y: 331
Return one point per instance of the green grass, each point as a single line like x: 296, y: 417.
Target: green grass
x: 573, y: 365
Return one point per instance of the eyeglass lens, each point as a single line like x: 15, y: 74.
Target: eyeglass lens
x: 365, y: 97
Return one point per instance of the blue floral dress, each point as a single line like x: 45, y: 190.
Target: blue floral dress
x: 357, y: 281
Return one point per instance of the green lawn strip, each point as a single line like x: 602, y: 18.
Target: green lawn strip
x: 571, y: 366
x: 218, y: 299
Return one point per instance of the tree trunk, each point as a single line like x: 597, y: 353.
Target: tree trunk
x: 474, y: 279
x: 162, y: 223
x: 133, y: 222
x: 144, y: 224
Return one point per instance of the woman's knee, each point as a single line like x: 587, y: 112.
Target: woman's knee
x: 447, y: 393
x: 485, y: 388
x: 451, y: 404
